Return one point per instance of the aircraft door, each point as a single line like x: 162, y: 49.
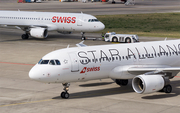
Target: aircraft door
x: 79, y: 22
x: 74, y: 62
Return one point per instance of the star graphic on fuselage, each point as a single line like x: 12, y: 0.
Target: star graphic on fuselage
x: 65, y: 61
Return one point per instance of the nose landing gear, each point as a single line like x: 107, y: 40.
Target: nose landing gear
x: 65, y: 93
x: 83, y: 37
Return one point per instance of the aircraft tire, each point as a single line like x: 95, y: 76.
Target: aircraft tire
x: 62, y: 94
x: 65, y: 95
x: 113, y: 2
x: 167, y: 89
x: 25, y: 36
x: 121, y: 82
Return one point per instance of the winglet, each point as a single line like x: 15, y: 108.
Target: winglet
x: 81, y: 44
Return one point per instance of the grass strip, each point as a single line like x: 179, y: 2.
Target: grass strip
x: 155, y: 24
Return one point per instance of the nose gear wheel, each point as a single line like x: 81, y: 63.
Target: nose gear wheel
x: 65, y: 93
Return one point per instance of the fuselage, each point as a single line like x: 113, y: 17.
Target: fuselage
x: 98, y: 62
x: 51, y: 20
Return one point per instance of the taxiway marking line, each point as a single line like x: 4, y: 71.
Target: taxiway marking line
x: 16, y: 63
x: 25, y: 103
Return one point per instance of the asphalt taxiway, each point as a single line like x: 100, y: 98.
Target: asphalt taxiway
x: 20, y: 94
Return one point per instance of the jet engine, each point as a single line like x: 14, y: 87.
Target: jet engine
x: 148, y: 83
x: 39, y: 32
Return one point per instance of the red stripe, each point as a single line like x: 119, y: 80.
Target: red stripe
x: 177, y: 76
x: 16, y: 63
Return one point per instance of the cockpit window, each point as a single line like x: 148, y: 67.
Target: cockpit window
x: 57, y: 62
x: 44, y: 62
x: 52, y: 62
x: 40, y: 61
x: 93, y: 20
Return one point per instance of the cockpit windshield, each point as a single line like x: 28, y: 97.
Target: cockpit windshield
x: 93, y: 20
x: 50, y: 62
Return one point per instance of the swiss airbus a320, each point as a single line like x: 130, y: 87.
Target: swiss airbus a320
x: 37, y: 24
x: 150, y: 65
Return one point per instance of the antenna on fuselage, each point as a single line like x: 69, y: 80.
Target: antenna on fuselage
x: 18, y: 10
x: 81, y: 12
x: 68, y: 46
x: 165, y: 39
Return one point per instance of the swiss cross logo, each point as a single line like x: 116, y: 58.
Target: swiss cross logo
x: 90, y: 69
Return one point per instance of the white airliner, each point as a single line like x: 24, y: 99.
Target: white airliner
x: 149, y: 64
x: 37, y: 24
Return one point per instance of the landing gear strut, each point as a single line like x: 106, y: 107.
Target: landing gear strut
x: 167, y: 88
x: 65, y: 93
x: 83, y: 37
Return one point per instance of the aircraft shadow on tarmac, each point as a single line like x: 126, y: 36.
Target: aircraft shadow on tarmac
x: 121, y: 90
x: 99, y: 92
x: 95, y: 84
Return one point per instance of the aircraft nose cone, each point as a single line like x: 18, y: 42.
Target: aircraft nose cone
x: 33, y: 73
x: 102, y: 26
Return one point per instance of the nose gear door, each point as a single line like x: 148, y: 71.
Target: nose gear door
x: 74, y: 62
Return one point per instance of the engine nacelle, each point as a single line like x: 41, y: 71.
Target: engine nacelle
x: 39, y: 32
x: 148, y: 83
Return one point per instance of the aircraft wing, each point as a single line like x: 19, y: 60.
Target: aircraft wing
x: 166, y: 69
x: 24, y: 27
x: 81, y: 44
x: 154, y: 70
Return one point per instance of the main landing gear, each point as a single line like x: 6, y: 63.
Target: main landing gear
x: 167, y: 89
x: 65, y: 93
x: 121, y: 82
x: 25, y: 36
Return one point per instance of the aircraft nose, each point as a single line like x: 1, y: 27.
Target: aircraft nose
x: 102, y: 26
x: 33, y: 73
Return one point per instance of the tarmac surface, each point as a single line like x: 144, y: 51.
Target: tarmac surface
x: 20, y: 94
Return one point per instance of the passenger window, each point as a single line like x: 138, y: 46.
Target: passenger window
x: 52, y: 62
x: 58, y: 62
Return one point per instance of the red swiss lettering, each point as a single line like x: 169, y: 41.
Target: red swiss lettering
x: 73, y: 20
x: 63, y: 19
x: 89, y: 69
x: 54, y: 19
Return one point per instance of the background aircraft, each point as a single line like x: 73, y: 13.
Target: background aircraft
x: 37, y: 24
x: 149, y: 64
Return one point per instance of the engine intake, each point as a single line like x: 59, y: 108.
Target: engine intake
x: 39, y: 32
x: 148, y: 83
